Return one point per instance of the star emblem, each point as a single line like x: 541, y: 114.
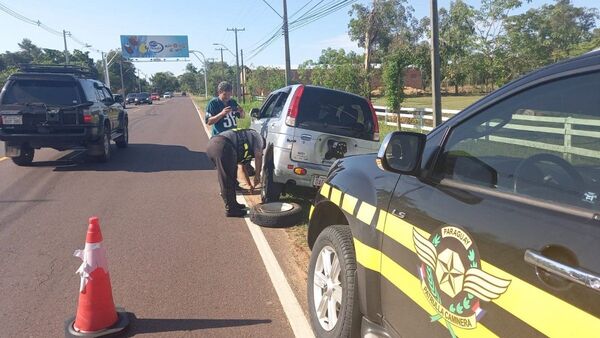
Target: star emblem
x: 450, y: 272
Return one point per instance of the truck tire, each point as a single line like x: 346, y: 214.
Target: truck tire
x: 276, y: 214
x: 26, y: 156
x: 123, y: 140
x: 105, y: 146
x: 333, y: 295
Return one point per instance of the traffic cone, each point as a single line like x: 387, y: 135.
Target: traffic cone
x: 96, y: 312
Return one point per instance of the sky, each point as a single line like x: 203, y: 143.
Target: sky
x: 100, y: 23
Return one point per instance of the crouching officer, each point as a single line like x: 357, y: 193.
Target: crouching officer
x: 226, y: 150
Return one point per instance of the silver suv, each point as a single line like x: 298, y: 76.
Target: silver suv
x: 306, y: 129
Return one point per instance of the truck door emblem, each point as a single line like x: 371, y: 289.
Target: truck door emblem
x: 452, y: 279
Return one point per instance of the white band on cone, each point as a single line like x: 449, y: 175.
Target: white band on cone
x: 93, y: 256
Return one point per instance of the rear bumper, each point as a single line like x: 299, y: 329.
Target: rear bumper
x: 285, y: 175
x: 60, y: 140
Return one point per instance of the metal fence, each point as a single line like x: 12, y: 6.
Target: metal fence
x: 420, y: 119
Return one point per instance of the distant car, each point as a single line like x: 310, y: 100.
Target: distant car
x: 155, y: 96
x: 130, y: 98
x: 119, y: 98
x: 167, y: 95
x: 183, y: 94
x: 142, y: 98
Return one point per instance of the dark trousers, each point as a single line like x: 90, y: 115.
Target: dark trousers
x: 224, y: 155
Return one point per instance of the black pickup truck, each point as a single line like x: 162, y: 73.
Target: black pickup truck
x: 59, y: 107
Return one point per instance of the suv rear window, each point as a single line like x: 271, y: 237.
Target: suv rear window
x: 50, y: 92
x: 335, y: 112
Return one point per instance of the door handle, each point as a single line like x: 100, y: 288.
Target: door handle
x: 572, y: 274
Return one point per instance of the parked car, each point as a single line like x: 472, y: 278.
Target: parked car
x: 130, y: 99
x: 167, y: 95
x: 155, y: 96
x: 119, y: 98
x: 60, y: 107
x: 142, y: 98
x: 306, y: 129
x: 183, y: 94
x: 487, y: 226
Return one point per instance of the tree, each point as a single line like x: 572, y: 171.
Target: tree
x: 377, y: 26
x: 263, y: 80
x: 338, y: 70
x: 457, y: 33
x: 164, y: 81
x: 393, y: 76
x: 190, y: 80
x: 548, y: 34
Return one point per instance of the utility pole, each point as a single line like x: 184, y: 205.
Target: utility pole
x: 106, y: 77
x: 237, y: 63
x: 286, y: 38
x: 222, y: 64
x: 435, y: 65
x: 243, y: 78
x: 122, y: 80
x: 66, y: 49
x: 139, y: 81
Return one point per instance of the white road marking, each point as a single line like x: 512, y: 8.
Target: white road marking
x: 288, y: 300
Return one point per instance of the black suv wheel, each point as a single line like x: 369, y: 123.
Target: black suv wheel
x: 26, y: 156
x: 104, y: 144
x: 123, y: 140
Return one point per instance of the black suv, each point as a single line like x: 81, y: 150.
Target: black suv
x: 59, y: 107
x: 487, y: 226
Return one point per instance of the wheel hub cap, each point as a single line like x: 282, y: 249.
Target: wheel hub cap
x: 327, y: 288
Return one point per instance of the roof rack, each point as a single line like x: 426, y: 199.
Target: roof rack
x: 55, y: 69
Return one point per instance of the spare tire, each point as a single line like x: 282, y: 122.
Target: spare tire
x: 276, y: 214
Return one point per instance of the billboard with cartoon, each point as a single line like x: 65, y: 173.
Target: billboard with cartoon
x: 154, y: 46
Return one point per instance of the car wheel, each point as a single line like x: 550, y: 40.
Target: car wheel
x: 26, y: 156
x: 270, y: 190
x: 105, y: 144
x: 276, y: 214
x: 123, y: 140
x: 332, y: 285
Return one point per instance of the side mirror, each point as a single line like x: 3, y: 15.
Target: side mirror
x: 255, y: 112
x: 401, y: 152
x: 108, y: 101
x: 118, y: 99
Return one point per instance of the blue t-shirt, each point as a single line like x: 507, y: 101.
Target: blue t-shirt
x: 214, y: 107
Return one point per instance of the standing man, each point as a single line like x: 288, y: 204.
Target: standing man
x: 222, y: 111
x: 227, y: 150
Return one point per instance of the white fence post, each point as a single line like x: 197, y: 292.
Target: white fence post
x: 567, y: 140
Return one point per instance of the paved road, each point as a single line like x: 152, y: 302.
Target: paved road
x: 175, y: 261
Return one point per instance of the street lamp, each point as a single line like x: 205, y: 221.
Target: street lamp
x: 195, y: 52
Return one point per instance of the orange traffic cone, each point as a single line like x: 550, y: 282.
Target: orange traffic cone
x: 96, y: 312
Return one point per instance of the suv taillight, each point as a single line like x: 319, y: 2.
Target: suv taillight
x: 294, y: 107
x: 375, y: 123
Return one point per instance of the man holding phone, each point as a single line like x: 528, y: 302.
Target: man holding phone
x: 222, y: 111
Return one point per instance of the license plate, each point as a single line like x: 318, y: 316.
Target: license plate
x: 318, y: 181
x: 12, y: 119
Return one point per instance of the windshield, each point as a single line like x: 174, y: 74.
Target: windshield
x: 49, y: 92
x: 130, y: 96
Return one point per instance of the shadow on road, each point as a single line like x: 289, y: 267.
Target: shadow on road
x: 146, y: 158
x: 140, y: 326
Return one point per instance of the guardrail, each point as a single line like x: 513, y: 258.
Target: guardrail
x: 567, y: 127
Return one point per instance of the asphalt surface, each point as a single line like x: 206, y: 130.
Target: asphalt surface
x: 176, y: 262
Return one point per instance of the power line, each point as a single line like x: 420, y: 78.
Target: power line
x: 313, y: 14
x: 271, y: 7
x: 45, y: 27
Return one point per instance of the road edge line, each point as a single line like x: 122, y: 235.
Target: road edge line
x: 287, y: 298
